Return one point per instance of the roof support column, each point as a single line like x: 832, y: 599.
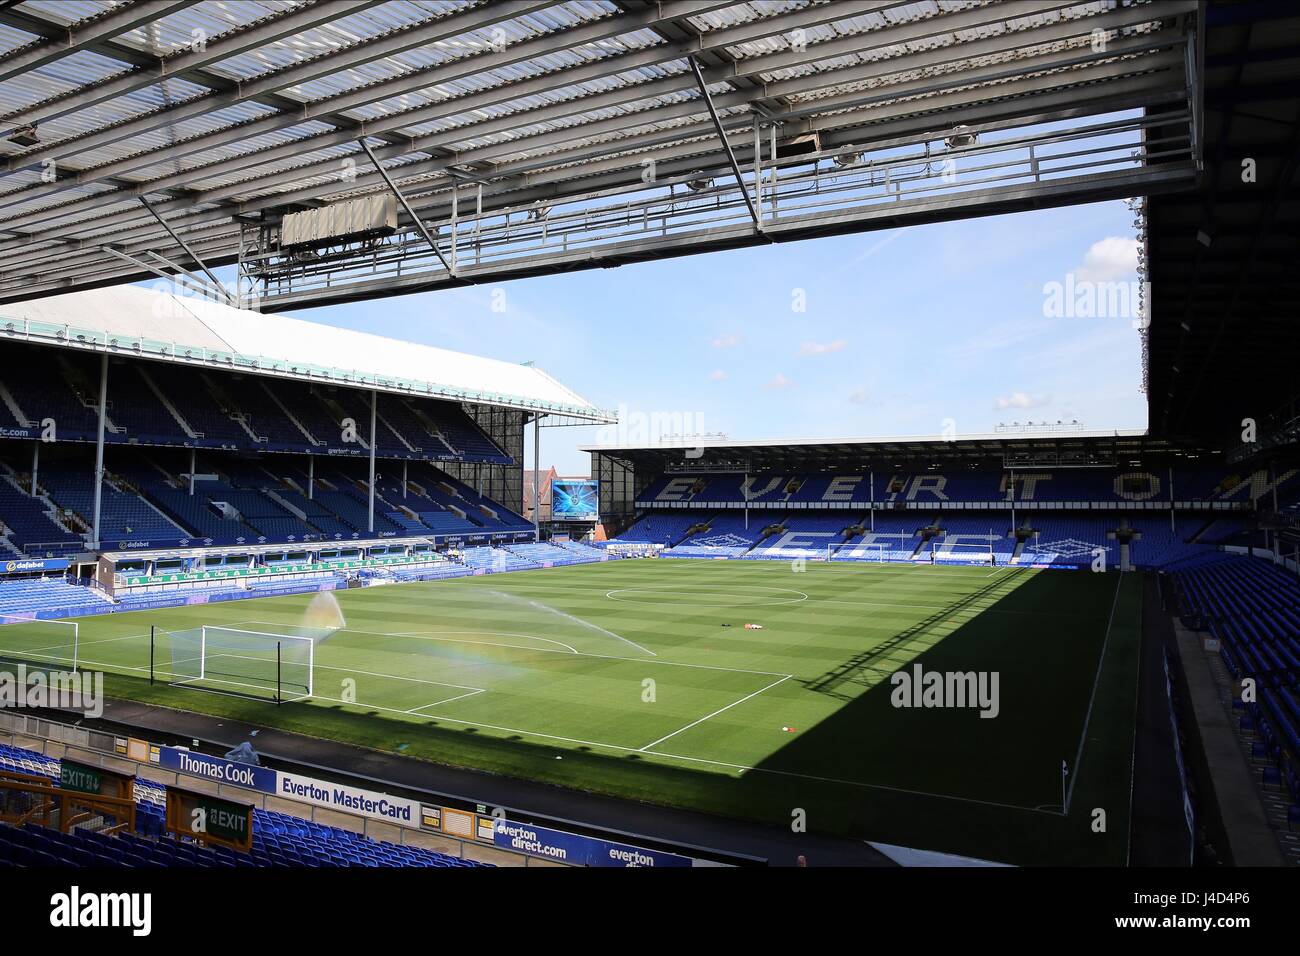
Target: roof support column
x: 36, y: 464
x: 193, y: 464
x: 311, y: 477
x: 99, y: 448
x: 374, y: 413
x: 1011, y: 494
x: 1172, y: 526
x: 537, y: 466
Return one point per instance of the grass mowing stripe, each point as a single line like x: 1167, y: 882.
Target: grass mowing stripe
x: 1092, y: 697
x: 940, y: 779
x: 695, y: 723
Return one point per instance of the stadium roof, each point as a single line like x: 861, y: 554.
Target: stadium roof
x: 1225, y: 323
x: 146, y: 323
x: 1013, y: 447
x: 535, y: 136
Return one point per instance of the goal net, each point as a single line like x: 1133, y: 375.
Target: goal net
x: 963, y: 553
x: 264, y: 666
x: 44, y: 645
x: 862, y: 551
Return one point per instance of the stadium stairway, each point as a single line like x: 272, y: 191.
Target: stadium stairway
x: 495, y: 560
x: 967, y: 528
x: 450, y: 493
x: 725, y: 536
x: 165, y: 405
x: 31, y: 520
x: 190, y: 511
x: 429, y: 514
x: 1158, y: 544
x: 899, y: 533
x: 586, y: 550
x: 123, y: 514
x: 546, y: 554
x: 1068, y: 539
x: 655, y: 527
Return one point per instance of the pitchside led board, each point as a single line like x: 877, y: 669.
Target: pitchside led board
x: 575, y: 499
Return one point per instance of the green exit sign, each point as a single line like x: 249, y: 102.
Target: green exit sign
x: 79, y: 777
x: 229, y: 821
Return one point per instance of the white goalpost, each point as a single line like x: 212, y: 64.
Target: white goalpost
x: 257, y: 664
x: 42, y: 643
x: 963, y: 553
x: 873, y: 551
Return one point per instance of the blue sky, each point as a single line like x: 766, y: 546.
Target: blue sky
x: 902, y: 331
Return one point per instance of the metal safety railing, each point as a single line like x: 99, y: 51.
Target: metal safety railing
x: 26, y: 798
x: 831, y: 189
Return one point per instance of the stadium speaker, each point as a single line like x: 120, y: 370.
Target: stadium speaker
x: 961, y: 138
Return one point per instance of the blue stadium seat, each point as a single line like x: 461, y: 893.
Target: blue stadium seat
x: 279, y: 840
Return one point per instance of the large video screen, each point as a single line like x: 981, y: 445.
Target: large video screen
x: 575, y: 499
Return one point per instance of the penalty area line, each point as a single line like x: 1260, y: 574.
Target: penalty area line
x: 715, y: 713
x: 439, y: 703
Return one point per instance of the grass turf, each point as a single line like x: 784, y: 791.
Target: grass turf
x: 625, y: 672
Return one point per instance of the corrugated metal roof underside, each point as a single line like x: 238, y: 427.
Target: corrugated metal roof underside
x: 214, y: 109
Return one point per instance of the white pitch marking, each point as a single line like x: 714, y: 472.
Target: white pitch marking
x: 1092, y: 699
x: 716, y: 712
x: 54, y: 647
x: 531, y: 637
x: 439, y: 703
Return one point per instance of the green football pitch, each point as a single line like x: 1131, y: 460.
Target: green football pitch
x: 638, y: 678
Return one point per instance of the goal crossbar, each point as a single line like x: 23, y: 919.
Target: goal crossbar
x: 245, y: 663
x: 963, y: 552
x: 861, y: 551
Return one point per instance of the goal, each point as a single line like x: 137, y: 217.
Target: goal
x: 256, y: 664
x: 41, y: 644
x: 862, y: 551
x: 963, y: 553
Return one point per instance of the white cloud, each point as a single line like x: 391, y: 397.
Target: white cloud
x: 1021, y: 400
x: 1110, y: 259
x: 822, y: 348
x: 717, y: 375
x: 726, y: 341
x: 858, y: 396
x: 779, y: 381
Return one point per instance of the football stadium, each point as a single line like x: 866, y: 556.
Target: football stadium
x: 284, y: 591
